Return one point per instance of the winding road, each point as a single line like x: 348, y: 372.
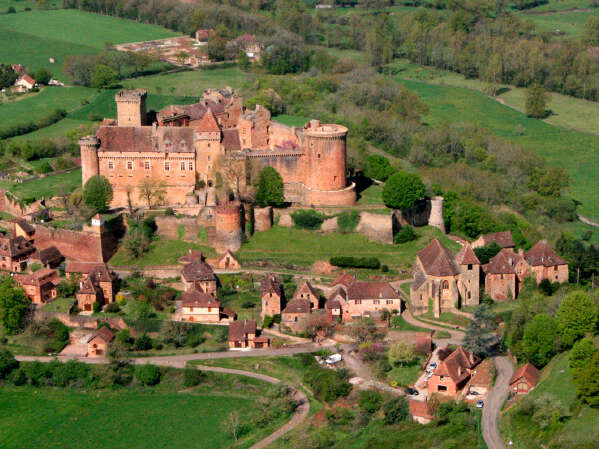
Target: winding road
x: 495, y: 400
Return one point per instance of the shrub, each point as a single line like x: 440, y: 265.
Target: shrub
x: 97, y: 193
x: 148, y: 374
x: 113, y: 307
x: 270, y: 188
x: 18, y: 377
x: 355, y: 262
x: 60, y: 334
x: 402, y: 190
x: 143, y: 343
x: 307, y: 219
x: 97, y: 307
x: 486, y: 253
x: 192, y: 377
x: 378, y: 167
x: 348, y: 221
x: 396, y: 409
x: 370, y: 401
x: 8, y: 363
x: 404, y: 235
x: 44, y: 168
x: 268, y: 320
x: 384, y: 268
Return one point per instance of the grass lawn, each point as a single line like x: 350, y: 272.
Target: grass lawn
x: 560, y: 5
x: 371, y: 195
x: 24, y: 343
x: 162, y: 252
x: 291, y: 120
x: 448, y: 318
x: 295, y: 246
x: 570, y: 23
x: 58, y: 305
x: 58, y: 129
x: 398, y: 323
x: 31, y: 38
x: 41, y: 105
x: 20, y: 5
x: 45, y: 187
x: 405, y: 375
x: 580, y: 430
x: 190, y: 83
x: 44, y: 418
x: 247, y: 304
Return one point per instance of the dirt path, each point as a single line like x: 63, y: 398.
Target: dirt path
x: 585, y: 220
x: 300, y: 414
x: 495, y: 399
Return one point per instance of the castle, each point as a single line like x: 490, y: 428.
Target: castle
x: 215, y: 141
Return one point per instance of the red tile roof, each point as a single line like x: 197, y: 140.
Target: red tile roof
x: 503, y: 239
x: 208, y: 123
x: 344, y: 279
x: 543, y: 254
x: 198, y: 271
x: 503, y: 262
x: 15, y: 246
x: 298, y: 306
x: 466, y: 256
x: 38, y: 278
x: 239, y: 330
x: 271, y: 284
x: 457, y: 365
x: 231, y: 140
x: 48, y: 255
x: 196, y: 298
x: 371, y: 290
x: 306, y: 288
x: 103, y: 333
x: 420, y: 409
x: 528, y: 372
x: 437, y: 260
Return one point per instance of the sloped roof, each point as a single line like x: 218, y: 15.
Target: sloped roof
x: 503, y: 239
x: 139, y: 138
x: 339, y: 292
x: 196, y: 298
x: 87, y: 287
x: 103, y: 333
x: 466, y: 256
x: 456, y: 365
x: 420, y: 409
x: 344, y: 279
x: 270, y: 284
x: 437, y: 260
x: 332, y: 303
x: 371, y: 290
x: 25, y: 226
x: 419, y: 280
x: 528, y: 372
x: 306, y: 288
x: 80, y: 267
x: 239, y: 329
x: 231, y: 139
x: 198, y: 271
x: 502, y: 263
x: 39, y: 277
x: 47, y: 255
x: 15, y: 246
x: 208, y: 123
x: 543, y: 254
x: 101, y: 273
x: 192, y: 256
x: 298, y: 305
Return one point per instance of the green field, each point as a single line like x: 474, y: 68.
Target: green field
x: 57, y: 130
x: 38, y: 106
x: 572, y: 24
x: 44, y: 187
x: 291, y: 120
x: 560, y: 5
x: 289, y: 245
x: 188, y: 84
x: 162, y: 252
x: 31, y: 38
x: 579, y: 431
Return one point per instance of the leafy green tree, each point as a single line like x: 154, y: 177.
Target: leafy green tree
x: 539, y: 340
x: 591, y: 32
x: 148, y: 374
x: 402, y: 190
x: 270, y: 188
x: 396, y: 409
x: 378, y: 167
x: 486, y: 253
x: 401, y: 353
x: 370, y: 401
x: 217, y: 43
x: 480, y: 337
x: 404, y: 235
x: 581, y: 353
x: 576, y: 316
x: 587, y: 382
x: 14, y: 304
x: 97, y: 193
x: 537, y: 100
x: 243, y: 61
x: 42, y: 76
x: 103, y: 76
x: 7, y: 76
x: 8, y: 363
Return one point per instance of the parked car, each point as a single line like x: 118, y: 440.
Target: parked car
x: 479, y: 403
x: 473, y: 393
x: 411, y: 391
x: 432, y: 366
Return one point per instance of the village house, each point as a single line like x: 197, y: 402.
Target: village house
x: 546, y: 264
x: 24, y: 83
x: 420, y: 411
x: 49, y: 257
x: 100, y: 276
x: 334, y: 304
x: 271, y: 292
x: 40, y: 286
x: 368, y: 298
x: 243, y: 334
x: 306, y: 291
x: 197, y: 274
x: 524, y: 379
x: 97, y: 345
x: 227, y: 262
x: 503, y: 239
x: 199, y: 306
x: 14, y: 253
x: 452, y: 374
x: 24, y: 229
x: 89, y: 293
x: 295, y: 314
x: 203, y: 35
x: 448, y: 281
x: 248, y: 44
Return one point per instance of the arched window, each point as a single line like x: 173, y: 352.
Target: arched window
x: 445, y: 285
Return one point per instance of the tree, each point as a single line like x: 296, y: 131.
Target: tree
x: 591, y: 32
x: 270, y: 188
x: 378, y: 167
x: 148, y: 374
x: 587, y: 382
x: 364, y: 330
x: 537, y: 100
x: 539, y: 340
x: 97, y: 193
x: 370, y: 401
x: 396, y: 409
x: 486, y: 253
x: 232, y: 424
x: 243, y: 61
x: 582, y: 352
x: 576, y: 316
x: 401, y: 353
x: 480, y: 337
x: 318, y: 324
x: 42, y: 76
x: 402, y: 190
x: 14, y: 304
x: 152, y: 191
x: 103, y: 76
x: 136, y: 243
x: 7, y: 76
x: 79, y: 69
x: 8, y: 363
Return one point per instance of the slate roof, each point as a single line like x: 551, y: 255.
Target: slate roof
x: 80, y: 267
x: 48, y: 255
x: 437, y: 260
x: 332, y: 304
x: 140, y: 139
x: 25, y: 225
x: 198, y: 271
x: 528, y: 372
x: 503, y: 239
x: 101, y: 273
x: 87, y: 287
x: 466, y: 256
x: 196, y: 298
x: 238, y: 330
x: 15, y: 246
x: 543, y: 255
x: 271, y: 284
x: 298, y: 305
x: 371, y: 290
x: 38, y: 278
x: 456, y: 365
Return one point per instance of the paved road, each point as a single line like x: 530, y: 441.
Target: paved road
x: 495, y: 399
x: 303, y: 404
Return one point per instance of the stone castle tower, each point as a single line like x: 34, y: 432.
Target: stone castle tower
x: 131, y: 107
x: 89, y: 157
x: 325, y: 156
x: 227, y: 221
x: 436, y: 217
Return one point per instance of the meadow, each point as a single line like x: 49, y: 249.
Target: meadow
x: 46, y: 186
x: 161, y: 252
x: 560, y: 5
x: 572, y: 24
x: 299, y: 247
x: 579, y: 431
x: 31, y: 38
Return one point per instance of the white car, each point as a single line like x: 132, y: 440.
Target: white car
x: 479, y: 403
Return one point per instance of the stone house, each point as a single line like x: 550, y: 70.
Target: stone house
x: 88, y: 294
x: 503, y: 239
x: 524, y: 379
x: 227, y: 262
x: 202, y: 35
x: 97, y: 345
x: 49, y: 257
x: 296, y: 312
x: 344, y: 281
x: 199, y: 306
x: 306, y: 291
x: 445, y: 280
x: 100, y: 276
x: 271, y: 292
x: 199, y: 275
x: 452, y: 373
x: 368, y: 298
x: 14, y: 253
x: 334, y: 304
x: 546, y: 264
x: 40, y: 286
x: 243, y: 334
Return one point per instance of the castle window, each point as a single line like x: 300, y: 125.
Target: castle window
x: 110, y: 165
x: 182, y: 166
x: 318, y: 155
x: 168, y: 145
x: 445, y: 285
x: 209, y: 169
x: 208, y: 144
x: 376, y: 301
x: 555, y: 268
x: 469, y: 295
x: 147, y: 165
x: 182, y: 145
x: 208, y: 157
x: 358, y: 301
x: 190, y: 166
x: 470, y: 266
x: 129, y: 165
x: 389, y: 301
x: 167, y: 166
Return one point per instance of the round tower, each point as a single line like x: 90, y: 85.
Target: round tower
x: 89, y: 157
x: 325, y: 156
x: 131, y: 107
x: 227, y: 221
x: 436, y: 217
